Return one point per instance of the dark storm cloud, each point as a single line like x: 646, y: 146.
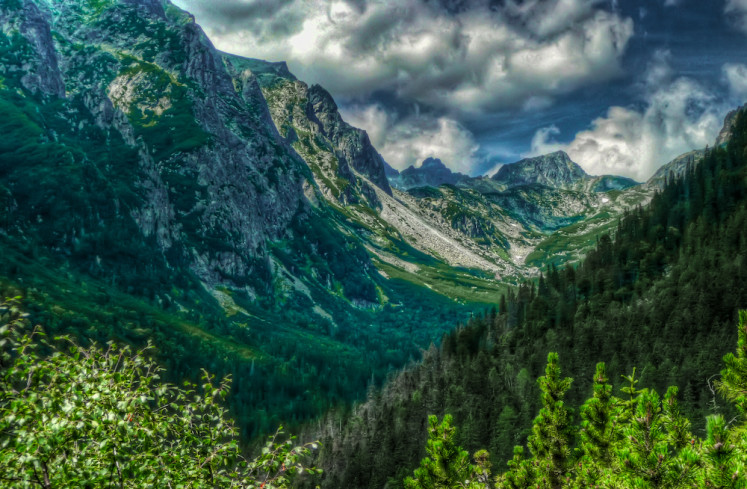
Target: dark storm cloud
x: 262, y: 18
x: 482, y: 76
x: 455, y: 55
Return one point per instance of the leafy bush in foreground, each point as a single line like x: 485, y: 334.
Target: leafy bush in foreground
x: 92, y: 417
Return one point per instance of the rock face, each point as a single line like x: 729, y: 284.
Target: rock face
x: 354, y: 144
x: 432, y: 172
x: 729, y: 120
x: 155, y: 154
x: 343, y: 161
x: 554, y: 170
x: 557, y: 171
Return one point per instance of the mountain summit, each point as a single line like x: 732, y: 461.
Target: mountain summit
x: 555, y: 170
x: 433, y: 172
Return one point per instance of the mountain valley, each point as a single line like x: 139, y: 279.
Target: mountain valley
x: 155, y: 190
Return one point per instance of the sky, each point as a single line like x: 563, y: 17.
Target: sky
x: 623, y: 86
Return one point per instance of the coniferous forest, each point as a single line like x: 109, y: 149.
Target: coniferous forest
x: 657, y: 300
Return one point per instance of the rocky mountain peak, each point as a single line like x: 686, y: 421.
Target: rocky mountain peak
x: 264, y: 70
x: 433, y: 164
x: 354, y: 144
x: 432, y: 172
x: 554, y: 170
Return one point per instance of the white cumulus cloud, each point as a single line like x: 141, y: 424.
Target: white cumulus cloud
x: 409, y: 141
x: 736, y: 80
x: 678, y: 115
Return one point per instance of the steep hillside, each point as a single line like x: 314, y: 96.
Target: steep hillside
x: 148, y: 195
x: 405, y: 242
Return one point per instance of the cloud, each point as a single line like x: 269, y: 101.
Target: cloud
x: 409, y: 141
x: 735, y: 76
x: 494, y: 169
x: 678, y: 115
x: 736, y: 10
x: 459, y: 56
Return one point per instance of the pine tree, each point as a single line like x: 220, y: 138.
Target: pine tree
x: 648, y: 459
x: 723, y: 469
x: 520, y: 474
x: 733, y: 383
x: 447, y: 466
x: 552, y: 431
x: 598, y: 430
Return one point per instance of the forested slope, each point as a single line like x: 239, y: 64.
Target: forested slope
x: 661, y: 294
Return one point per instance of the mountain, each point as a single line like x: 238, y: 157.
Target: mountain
x: 553, y: 170
x: 557, y: 171
x: 155, y: 188
x: 552, y: 210
x: 676, y: 168
x: 148, y: 194
x: 389, y: 171
x: 432, y: 172
x: 308, y: 120
x: 727, y: 131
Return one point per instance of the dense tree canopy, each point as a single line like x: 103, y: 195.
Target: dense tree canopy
x: 643, y: 441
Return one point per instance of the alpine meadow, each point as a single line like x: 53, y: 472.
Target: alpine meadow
x: 367, y: 244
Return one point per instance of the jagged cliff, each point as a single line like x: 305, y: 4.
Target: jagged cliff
x: 141, y: 83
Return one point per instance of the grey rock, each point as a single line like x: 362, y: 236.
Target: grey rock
x: 432, y: 172
x: 729, y: 121
x: 554, y: 170
x: 354, y: 143
x: 40, y: 71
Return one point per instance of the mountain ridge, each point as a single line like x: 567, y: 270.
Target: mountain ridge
x: 431, y: 172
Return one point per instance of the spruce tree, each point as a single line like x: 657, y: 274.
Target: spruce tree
x: 520, y: 474
x: 552, y: 431
x: 447, y: 466
x: 598, y: 430
x: 733, y: 384
x: 648, y: 458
